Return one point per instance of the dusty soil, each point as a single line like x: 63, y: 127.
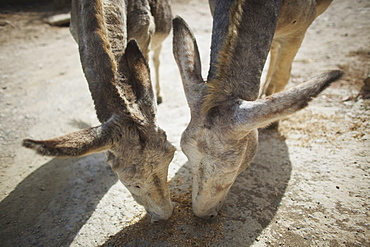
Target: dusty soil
x: 308, y: 185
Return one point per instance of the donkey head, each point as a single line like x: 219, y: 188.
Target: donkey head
x: 221, y: 139
x: 119, y: 81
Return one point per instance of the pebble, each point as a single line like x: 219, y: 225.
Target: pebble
x: 4, y: 23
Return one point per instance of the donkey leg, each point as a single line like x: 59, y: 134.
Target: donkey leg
x: 279, y: 74
x: 272, y: 64
x: 283, y: 52
x: 156, y: 62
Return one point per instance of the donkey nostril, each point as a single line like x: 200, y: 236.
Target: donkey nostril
x: 154, y: 220
x: 212, y: 216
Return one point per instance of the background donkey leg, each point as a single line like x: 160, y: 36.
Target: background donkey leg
x: 156, y: 62
x: 283, y: 52
x: 272, y: 64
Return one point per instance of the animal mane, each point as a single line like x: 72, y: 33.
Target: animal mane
x: 243, y: 52
x: 218, y: 88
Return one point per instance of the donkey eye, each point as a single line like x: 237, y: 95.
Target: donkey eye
x: 137, y: 186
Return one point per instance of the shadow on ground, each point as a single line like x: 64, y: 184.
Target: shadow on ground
x: 249, y: 208
x: 49, y: 207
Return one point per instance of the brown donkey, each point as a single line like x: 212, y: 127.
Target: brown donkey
x: 120, y: 85
x: 222, y: 138
x: 295, y: 17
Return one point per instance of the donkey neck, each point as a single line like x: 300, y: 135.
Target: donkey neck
x: 241, y: 38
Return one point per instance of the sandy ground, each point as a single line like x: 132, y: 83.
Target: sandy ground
x: 308, y: 185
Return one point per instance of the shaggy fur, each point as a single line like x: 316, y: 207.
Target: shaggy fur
x: 222, y: 138
x: 239, y: 78
x: 119, y: 80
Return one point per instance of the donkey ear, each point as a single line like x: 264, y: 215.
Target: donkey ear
x: 139, y: 73
x: 186, y: 53
x: 140, y: 82
x: 79, y: 143
x: 260, y: 113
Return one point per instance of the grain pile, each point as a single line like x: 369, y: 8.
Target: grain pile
x: 182, y: 229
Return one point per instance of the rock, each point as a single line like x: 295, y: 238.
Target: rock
x: 59, y: 19
x: 4, y: 23
x: 365, y: 90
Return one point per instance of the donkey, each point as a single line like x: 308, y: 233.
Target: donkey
x: 119, y: 81
x: 221, y: 138
x: 295, y: 18
x: 148, y: 22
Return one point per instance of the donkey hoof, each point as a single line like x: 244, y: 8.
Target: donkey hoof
x: 159, y: 100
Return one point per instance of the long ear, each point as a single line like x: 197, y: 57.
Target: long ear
x: 260, y: 113
x: 139, y: 78
x: 79, y: 143
x: 185, y: 51
x: 101, y: 39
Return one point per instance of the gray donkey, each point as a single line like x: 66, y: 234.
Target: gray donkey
x: 222, y: 137
x: 120, y: 85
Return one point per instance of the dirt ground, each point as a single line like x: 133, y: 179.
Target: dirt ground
x: 308, y: 185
